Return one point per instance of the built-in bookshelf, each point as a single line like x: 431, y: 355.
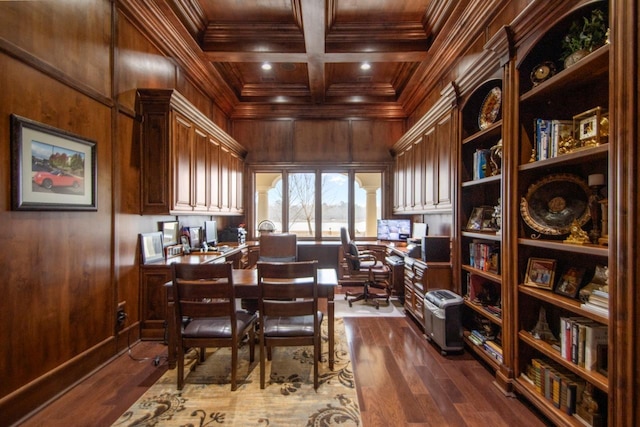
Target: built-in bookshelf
x: 561, y: 188
x: 479, y: 220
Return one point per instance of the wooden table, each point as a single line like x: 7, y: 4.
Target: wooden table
x: 245, y: 282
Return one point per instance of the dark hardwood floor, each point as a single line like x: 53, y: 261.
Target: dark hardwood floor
x: 402, y: 380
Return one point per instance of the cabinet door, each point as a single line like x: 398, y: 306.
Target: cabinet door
x: 239, y: 186
x: 430, y: 176
x: 445, y: 144
x: 225, y: 170
x: 182, y: 153
x: 199, y: 181
x: 214, y: 176
x: 418, y: 174
x: 153, y: 301
x: 399, y: 196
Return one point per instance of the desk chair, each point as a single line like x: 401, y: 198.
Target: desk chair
x: 204, y: 294
x: 274, y: 247
x: 362, y: 266
x: 288, y: 306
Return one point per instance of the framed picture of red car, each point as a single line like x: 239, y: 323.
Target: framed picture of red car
x: 51, y: 169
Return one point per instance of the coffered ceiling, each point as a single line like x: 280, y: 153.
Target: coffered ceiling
x: 316, y: 49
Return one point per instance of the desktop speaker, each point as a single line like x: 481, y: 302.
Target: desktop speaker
x: 436, y: 249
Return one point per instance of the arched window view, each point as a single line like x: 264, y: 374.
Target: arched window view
x: 316, y: 204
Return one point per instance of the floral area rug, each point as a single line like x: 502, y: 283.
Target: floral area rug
x: 288, y: 398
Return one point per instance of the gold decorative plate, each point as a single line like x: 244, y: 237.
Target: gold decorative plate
x: 490, y: 109
x: 552, y: 203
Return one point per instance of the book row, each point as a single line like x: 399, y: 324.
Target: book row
x: 559, y: 386
x: 583, y: 341
x: 485, y: 256
x: 549, y: 137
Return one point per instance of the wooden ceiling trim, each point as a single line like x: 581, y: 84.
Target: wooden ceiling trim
x: 162, y: 27
x: 265, y: 90
x: 451, y: 43
x: 193, y: 16
x: 253, y: 37
x: 324, y: 111
x: 374, y: 89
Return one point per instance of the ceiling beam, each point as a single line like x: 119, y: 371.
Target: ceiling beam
x: 313, y: 23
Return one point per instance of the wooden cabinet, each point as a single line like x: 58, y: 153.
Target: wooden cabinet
x: 422, y: 162
x: 153, y: 301
x: 188, y: 164
x: 419, y: 278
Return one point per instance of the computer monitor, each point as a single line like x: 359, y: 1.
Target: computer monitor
x: 211, y: 233
x: 436, y: 249
x: 394, y: 229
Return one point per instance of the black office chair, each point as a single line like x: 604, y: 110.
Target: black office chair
x: 363, y: 267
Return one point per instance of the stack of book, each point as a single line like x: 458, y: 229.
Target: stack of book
x: 549, y: 134
x: 488, y: 345
x: 581, y: 339
x: 559, y: 386
x: 481, y: 164
x: 485, y: 256
x: 597, y: 302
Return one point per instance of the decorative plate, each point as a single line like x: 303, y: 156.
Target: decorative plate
x: 552, y: 203
x: 490, y: 109
x: 542, y: 72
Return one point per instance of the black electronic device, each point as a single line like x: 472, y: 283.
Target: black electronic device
x: 436, y: 248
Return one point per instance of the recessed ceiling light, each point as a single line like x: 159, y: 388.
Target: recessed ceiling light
x: 365, y: 66
x: 266, y: 66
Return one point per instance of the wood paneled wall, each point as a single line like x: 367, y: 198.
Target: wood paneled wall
x: 337, y: 141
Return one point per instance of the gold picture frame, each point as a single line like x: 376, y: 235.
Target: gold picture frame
x: 540, y: 273
x: 591, y: 128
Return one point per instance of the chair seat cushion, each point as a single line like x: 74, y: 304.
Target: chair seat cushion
x: 217, y: 327
x: 290, y: 326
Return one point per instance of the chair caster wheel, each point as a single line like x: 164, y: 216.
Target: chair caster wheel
x: 350, y: 304
x: 444, y: 353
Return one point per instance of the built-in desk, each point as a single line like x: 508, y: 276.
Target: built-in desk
x: 153, y: 293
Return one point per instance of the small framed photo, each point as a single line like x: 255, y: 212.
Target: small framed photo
x: 51, y: 169
x: 591, y: 128
x: 540, y: 273
x: 170, y: 231
x: 570, y: 281
x: 151, y: 247
x: 481, y: 219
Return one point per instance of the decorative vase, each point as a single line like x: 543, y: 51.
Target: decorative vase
x: 575, y: 57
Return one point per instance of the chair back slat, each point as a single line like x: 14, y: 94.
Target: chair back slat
x: 203, y: 290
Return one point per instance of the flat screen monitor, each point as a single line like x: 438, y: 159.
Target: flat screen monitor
x: 211, y: 233
x: 394, y: 229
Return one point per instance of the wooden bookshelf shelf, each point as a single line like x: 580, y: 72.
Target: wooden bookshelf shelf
x: 547, y: 408
x: 495, y: 365
x: 483, y: 181
x: 486, y: 235
x: 593, y: 377
x: 574, y: 158
x: 478, y: 309
x: 487, y: 275
x: 559, y: 245
x: 491, y: 132
x: 565, y: 303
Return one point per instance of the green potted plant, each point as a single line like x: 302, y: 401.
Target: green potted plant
x: 584, y: 36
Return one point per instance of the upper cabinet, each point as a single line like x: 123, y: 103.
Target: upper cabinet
x: 422, y: 161
x: 188, y: 164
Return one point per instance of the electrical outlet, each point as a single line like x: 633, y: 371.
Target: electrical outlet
x: 121, y: 315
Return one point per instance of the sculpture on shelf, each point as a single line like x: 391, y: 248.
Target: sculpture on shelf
x: 578, y: 236
x: 542, y: 331
x: 596, y: 183
x: 495, y: 156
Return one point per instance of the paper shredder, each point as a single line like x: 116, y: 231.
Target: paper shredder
x: 442, y: 319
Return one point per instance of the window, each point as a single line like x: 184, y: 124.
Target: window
x: 315, y: 204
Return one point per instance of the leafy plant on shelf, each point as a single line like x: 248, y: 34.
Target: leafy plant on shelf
x: 586, y: 34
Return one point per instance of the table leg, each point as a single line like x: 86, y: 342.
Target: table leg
x: 331, y: 312
x: 171, y: 339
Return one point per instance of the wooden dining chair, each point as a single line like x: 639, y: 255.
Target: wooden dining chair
x: 288, y: 307
x: 206, y: 314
